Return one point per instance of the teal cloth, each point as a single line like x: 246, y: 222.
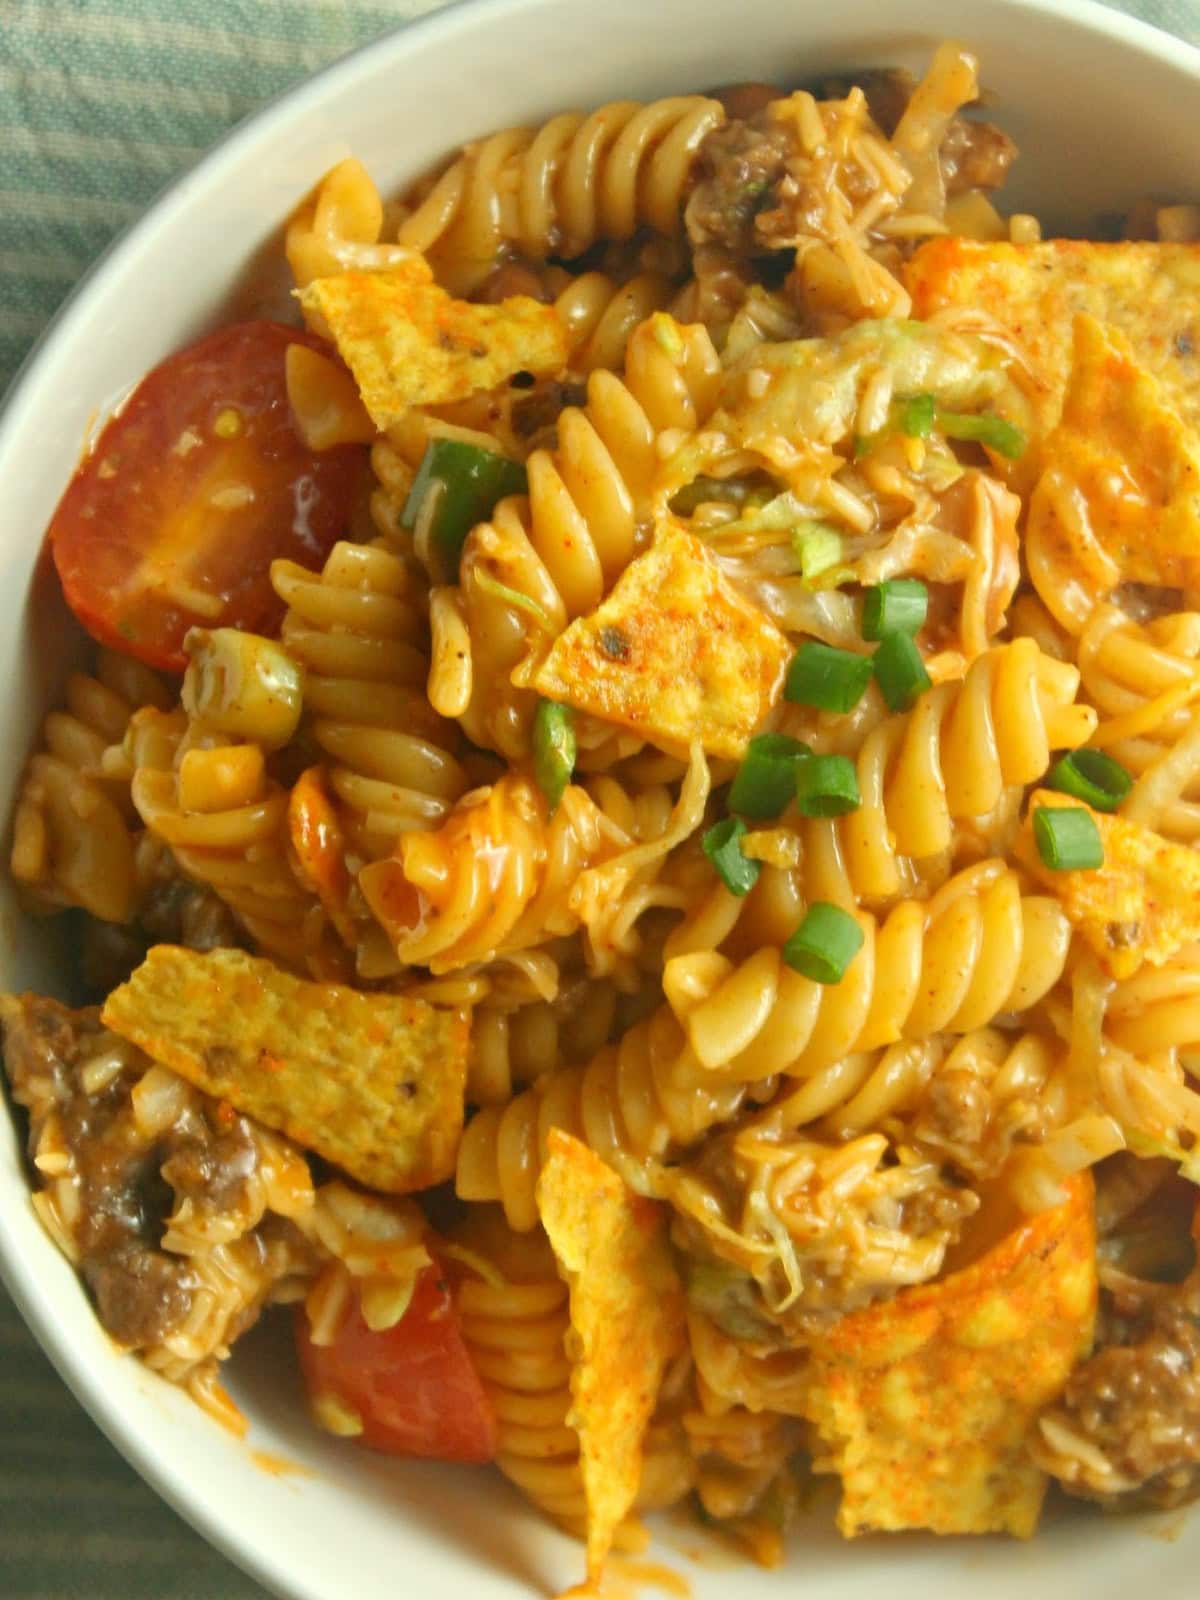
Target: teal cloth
x: 102, y: 102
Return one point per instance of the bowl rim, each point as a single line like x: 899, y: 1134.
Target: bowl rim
x: 82, y: 1376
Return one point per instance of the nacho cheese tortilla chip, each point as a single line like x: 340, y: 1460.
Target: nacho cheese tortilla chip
x: 1129, y: 469
x: 675, y: 653
x: 1142, y: 905
x: 409, y: 343
x: 924, y: 1403
x: 372, y: 1082
x: 627, y: 1322
x: 1151, y: 292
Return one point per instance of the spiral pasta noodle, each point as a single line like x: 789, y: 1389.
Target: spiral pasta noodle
x: 356, y: 627
x: 601, y: 315
x: 73, y: 840
x: 1144, y: 680
x: 225, y: 821
x: 948, y: 760
x: 497, y: 877
x: 979, y: 947
x: 634, y: 1103
x: 511, y: 1047
x: 556, y: 189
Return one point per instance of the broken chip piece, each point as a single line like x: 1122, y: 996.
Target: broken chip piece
x: 627, y: 1322
x: 675, y: 653
x: 408, y: 342
x: 1142, y: 905
x: 372, y: 1082
x: 924, y: 1403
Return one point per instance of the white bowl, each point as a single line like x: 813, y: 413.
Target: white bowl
x: 1104, y: 110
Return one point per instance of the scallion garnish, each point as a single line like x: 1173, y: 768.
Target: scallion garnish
x: 1092, y: 776
x: 897, y: 606
x: 824, y: 944
x: 766, y: 780
x: 827, y: 786
x: 917, y: 416
x: 1067, y: 838
x: 997, y: 433
x: 553, y: 749
x: 899, y: 670
x: 466, y: 483
x: 831, y: 680
x: 722, y: 844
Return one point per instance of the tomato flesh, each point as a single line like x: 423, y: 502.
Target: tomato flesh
x: 196, y: 485
x: 412, y: 1385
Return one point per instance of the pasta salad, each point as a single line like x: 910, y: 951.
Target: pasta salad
x: 631, y: 831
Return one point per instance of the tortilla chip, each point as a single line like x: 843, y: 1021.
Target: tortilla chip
x: 627, y: 1322
x: 1142, y: 905
x: 1130, y: 470
x: 372, y: 1082
x: 924, y: 1402
x: 409, y: 343
x: 675, y: 653
x: 1151, y: 292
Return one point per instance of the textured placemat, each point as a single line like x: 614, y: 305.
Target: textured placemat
x: 102, y: 102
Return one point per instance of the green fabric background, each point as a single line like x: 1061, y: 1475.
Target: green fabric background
x: 101, y: 103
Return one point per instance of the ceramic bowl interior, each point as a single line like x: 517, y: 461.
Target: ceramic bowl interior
x: 1104, y: 111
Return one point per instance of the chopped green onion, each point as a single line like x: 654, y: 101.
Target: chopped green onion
x: 511, y: 597
x: 897, y: 606
x: 824, y: 944
x: 899, y: 670
x: 722, y: 844
x: 864, y: 443
x: 831, y: 680
x: 817, y: 546
x: 827, y: 786
x: 766, y: 780
x: 1092, y: 776
x: 997, y: 433
x: 917, y: 416
x: 1067, y: 838
x: 467, y: 482
x: 553, y: 749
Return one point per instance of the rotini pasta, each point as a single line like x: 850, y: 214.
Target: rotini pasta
x: 356, y: 628
x: 500, y: 875
x: 557, y: 189
x: 977, y: 949
x: 225, y: 821
x: 950, y: 759
x: 73, y: 839
x: 511, y: 1047
x: 634, y: 1103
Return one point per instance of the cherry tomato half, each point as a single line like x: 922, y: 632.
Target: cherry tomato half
x: 413, y: 1386
x: 191, y: 491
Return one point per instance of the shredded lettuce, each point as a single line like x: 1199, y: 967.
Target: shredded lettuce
x: 815, y: 385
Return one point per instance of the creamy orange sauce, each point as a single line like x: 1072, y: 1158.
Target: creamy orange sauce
x: 625, y: 1579
x: 279, y: 1466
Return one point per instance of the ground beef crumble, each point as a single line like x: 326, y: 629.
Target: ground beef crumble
x: 127, y: 1185
x: 749, y: 196
x: 1137, y: 1400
